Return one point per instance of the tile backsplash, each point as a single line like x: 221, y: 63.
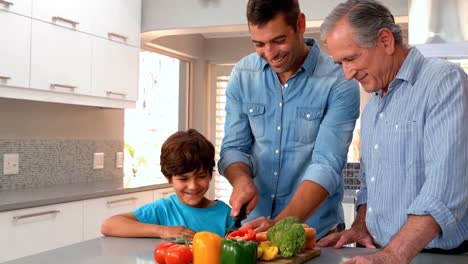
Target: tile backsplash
x: 50, y: 162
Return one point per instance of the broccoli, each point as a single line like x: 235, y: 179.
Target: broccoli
x: 288, y: 235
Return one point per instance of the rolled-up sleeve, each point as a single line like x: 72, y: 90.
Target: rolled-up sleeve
x: 444, y: 194
x: 334, y: 136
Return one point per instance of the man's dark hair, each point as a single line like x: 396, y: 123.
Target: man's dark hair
x: 260, y: 12
x: 186, y: 151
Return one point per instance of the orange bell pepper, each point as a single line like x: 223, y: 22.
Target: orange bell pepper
x: 206, y: 248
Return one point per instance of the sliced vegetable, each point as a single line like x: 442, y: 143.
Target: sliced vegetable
x: 246, y: 234
x: 311, y: 235
x: 238, y: 251
x: 261, y: 236
x: 206, y: 248
x: 265, y: 251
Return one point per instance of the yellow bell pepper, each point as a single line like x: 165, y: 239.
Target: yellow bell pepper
x: 206, y: 248
x: 265, y: 251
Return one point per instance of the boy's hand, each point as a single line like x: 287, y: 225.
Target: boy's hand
x: 175, y: 231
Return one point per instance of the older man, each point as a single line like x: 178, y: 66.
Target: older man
x: 414, y: 172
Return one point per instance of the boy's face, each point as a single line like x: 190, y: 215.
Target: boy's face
x: 191, y: 187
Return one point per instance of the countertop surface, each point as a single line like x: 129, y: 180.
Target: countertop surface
x: 107, y: 250
x: 26, y: 198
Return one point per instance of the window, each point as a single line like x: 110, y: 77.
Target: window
x: 160, y: 111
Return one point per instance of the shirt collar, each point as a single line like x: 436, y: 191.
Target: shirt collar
x: 409, y: 70
x: 311, y: 60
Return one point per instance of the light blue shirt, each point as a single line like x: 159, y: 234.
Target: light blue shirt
x: 293, y: 133
x: 171, y: 212
x: 415, y: 151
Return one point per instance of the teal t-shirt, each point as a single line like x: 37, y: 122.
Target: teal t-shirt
x: 171, y: 212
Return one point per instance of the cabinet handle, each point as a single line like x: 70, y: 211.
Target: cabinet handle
x: 6, y: 3
x: 73, y: 23
x: 16, y: 218
x: 53, y: 85
x: 5, y: 78
x: 122, y: 200
x: 112, y: 34
x: 115, y: 93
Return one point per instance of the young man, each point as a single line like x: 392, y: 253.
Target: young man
x: 414, y: 136
x: 290, y: 114
x: 187, y: 160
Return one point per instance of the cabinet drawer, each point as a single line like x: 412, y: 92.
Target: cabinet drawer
x: 99, y: 209
x: 30, y: 231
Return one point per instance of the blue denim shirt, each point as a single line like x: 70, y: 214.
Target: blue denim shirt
x: 293, y: 133
x: 414, y: 151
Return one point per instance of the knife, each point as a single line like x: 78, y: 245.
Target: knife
x: 241, y: 216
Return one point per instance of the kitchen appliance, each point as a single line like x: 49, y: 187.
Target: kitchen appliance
x: 439, y: 28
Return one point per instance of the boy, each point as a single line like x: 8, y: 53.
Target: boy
x: 187, y: 161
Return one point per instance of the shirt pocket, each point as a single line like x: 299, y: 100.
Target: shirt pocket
x: 401, y: 143
x: 307, y: 123
x: 256, y: 115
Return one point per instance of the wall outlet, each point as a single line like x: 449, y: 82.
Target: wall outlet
x: 10, y: 164
x: 119, y: 160
x: 98, y: 162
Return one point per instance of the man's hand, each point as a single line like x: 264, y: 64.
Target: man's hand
x: 338, y: 240
x: 260, y: 224
x: 243, y: 188
x: 382, y: 257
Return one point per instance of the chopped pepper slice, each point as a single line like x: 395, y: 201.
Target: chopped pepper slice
x: 247, y: 234
x: 238, y: 251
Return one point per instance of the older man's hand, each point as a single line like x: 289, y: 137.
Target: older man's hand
x: 338, y: 240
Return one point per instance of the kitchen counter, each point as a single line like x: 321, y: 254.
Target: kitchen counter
x: 26, y: 198
x: 111, y: 250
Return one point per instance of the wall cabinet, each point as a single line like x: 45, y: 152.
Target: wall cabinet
x: 74, y: 52
x: 29, y: 231
x: 15, y: 49
x: 97, y: 210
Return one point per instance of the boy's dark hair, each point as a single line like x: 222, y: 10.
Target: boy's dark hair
x: 186, y: 151
x: 260, y: 12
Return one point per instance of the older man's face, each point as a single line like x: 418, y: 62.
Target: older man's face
x: 369, y: 66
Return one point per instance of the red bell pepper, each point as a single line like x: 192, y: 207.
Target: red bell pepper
x: 246, y: 234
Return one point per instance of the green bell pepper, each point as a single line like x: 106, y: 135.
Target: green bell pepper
x: 235, y: 252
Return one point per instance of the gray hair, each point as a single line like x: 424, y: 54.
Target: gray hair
x: 366, y: 18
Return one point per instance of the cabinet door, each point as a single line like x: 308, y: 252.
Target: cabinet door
x: 68, y: 13
x: 115, y: 70
x: 163, y: 193
x: 99, y: 209
x: 15, y: 50
x: 349, y: 214
x: 120, y: 20
x: 30, y: 231
x: 22, y: 7
x: 60, y: 59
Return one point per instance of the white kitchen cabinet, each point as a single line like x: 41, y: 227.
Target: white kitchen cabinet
x: 114, y: 70
x: 121, y: 21
x: 99, y: 209
x: 68, y: 13
x: 22, y: 7
x: 15, y: 49
x: 163, y: 193
x: 349, y: 213
x: 29, y: 231
x: 60, y: 59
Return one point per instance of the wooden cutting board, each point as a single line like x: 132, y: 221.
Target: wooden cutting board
x: 299, y: 259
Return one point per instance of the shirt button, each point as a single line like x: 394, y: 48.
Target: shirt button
x: 369, y: 210
x: 372, y: 179
x: 396, y: 127
x: 280, y: 104
x: 285, y: 85
x: 376, y: 146
x: 278, y: 128
x: 276, y: 151
x: 308, y: 116
x: 275, y: 173
x: 250, y: 110
x: 381, y: 115
x: 272, y: 196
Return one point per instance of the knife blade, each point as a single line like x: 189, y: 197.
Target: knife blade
x: 241, y: 216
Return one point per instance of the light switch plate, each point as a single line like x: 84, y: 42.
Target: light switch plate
x: 98, y: 162
x: 119, y: 160
x: 10, y: 164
